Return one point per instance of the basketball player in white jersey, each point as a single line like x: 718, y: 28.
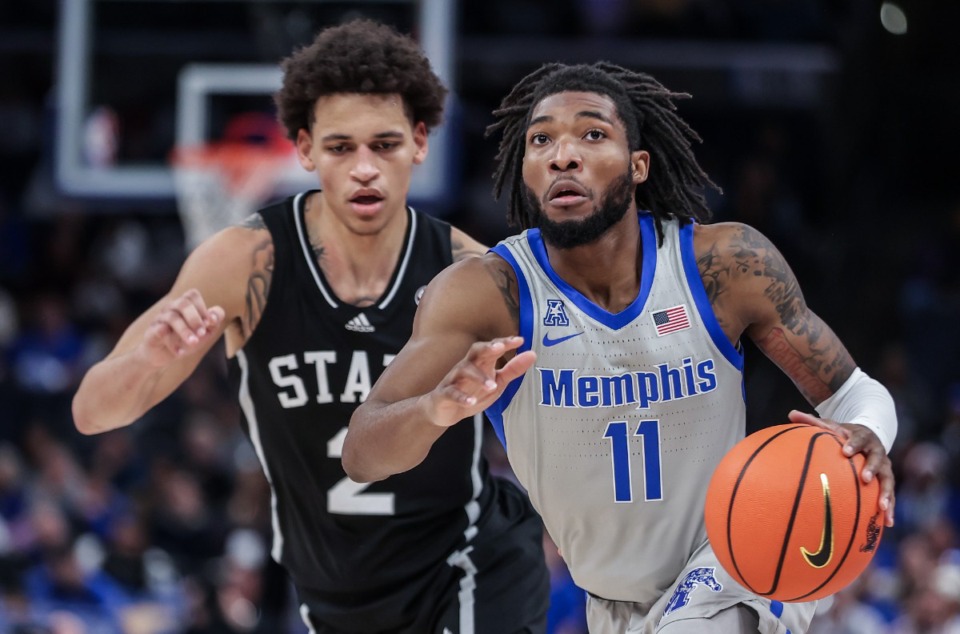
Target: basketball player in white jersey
x: 604, y: 344
x: 315, y: 295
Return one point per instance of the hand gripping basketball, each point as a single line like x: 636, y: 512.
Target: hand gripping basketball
x: 789, y: 516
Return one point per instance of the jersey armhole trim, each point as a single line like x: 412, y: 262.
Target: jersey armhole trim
x: 704, y: 308
x: 495, y: 411
x: 280, y: 267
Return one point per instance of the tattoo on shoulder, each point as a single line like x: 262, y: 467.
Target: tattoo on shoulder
x: 813, y: 355
x: 506, y: 281
x: 258, y: 285
x: 756, y: 254
x: 748, y: 253
x: 714, y: 274
x: 254, y: 221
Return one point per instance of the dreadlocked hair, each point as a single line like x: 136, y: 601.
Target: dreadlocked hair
x: 360, y: 56
x: 676, y: 185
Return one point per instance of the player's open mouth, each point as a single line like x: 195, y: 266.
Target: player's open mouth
x: 367, y: 202
x: 566, y: 193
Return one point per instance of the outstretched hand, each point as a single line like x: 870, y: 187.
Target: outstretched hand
x: 182, y: 326
x: 860, y: 439
x: 475, y: 382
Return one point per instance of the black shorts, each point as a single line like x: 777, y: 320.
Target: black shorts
x: 497, y: 584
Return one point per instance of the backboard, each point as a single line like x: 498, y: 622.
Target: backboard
x: 138, y: 77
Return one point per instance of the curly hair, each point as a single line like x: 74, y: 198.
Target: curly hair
x: 676, y: 186
x: 361, y: 56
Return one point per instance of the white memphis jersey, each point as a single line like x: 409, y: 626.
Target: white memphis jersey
x: 617, y: 428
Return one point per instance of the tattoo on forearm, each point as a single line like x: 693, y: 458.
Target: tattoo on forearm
x: 776, y: 346
x: 258, y: 285
x: 814, y: 376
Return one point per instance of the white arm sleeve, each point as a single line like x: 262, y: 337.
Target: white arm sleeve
x: 863, y: 401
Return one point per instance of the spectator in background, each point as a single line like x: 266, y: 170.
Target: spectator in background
x: 925, y: 496
x: 59, y: 583
x: 916, y: 406
x: 145, y: 575
x: 182, y: 521
x: 934, y: 606
x: 44, y: 359
x: 846, y: 613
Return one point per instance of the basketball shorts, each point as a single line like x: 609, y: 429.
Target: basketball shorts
x: 497, y: 584
x: 703, y: 591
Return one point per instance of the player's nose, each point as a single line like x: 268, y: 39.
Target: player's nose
x: 365, y: 168
x: 566, y: 158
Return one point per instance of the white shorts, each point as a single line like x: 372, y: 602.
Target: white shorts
x: 702, y: 591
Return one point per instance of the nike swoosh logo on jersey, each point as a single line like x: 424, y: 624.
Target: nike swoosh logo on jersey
x: 547, y: 341
x: 824, y: 554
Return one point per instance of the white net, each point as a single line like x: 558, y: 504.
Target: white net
x: 219, y: 185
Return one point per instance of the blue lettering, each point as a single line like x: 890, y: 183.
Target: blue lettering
x: 588, y: 391
x: 563, y: 388
x: 708, y: 380
x: 617, y: 390
x: 671, y: 382
x: 648, y: 390
x: 554, y: 393
x: 688, y: 376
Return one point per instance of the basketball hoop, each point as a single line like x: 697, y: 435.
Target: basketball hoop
x: 221, y: 183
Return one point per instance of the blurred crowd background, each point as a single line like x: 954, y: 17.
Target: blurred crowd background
x: 831, y: 126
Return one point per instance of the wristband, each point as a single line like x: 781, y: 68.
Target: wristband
x: 862, y: 400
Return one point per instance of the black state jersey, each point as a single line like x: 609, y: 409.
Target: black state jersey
x: 310, y: 362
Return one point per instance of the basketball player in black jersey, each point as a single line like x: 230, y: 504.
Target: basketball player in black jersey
x: 314, y: 296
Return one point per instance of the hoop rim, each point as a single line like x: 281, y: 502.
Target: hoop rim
x: 226, y: 152
x: 235, y: 160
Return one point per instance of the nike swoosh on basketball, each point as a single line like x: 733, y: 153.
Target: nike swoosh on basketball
x: 547, y: 341
x: 824, y: 554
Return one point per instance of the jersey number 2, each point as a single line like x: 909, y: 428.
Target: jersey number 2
x: 649, y: 433
x: 346, y: 497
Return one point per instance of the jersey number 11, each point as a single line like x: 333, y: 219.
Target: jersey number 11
x: 649, y: 433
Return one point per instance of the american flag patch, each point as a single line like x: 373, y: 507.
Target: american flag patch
x: 671, y: 320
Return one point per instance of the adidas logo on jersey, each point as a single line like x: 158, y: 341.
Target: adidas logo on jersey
x: 360, y: 323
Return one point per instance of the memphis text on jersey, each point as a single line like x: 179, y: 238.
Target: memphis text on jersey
x: 661, y: 384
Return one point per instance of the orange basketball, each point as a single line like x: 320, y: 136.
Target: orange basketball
x: 788, y: 515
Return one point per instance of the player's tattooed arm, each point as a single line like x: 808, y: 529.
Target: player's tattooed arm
x: 782, y: 325
x: 462, y: 250
x: 463, y: 246
x: 506, y: 281
x: 715, y: 273
x: 258, y: 285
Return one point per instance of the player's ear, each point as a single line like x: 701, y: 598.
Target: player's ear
x: 640, y: 164
x: 304, y: 145
x: 420, y: 140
